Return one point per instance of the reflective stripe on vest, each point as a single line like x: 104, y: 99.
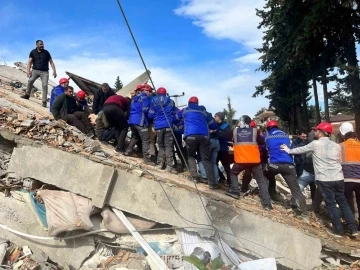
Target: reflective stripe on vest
x: 246, y: 149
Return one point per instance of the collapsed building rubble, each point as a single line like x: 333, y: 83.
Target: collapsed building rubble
x: 39, y: 154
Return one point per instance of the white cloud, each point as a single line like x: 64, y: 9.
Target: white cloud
x: 225, y: 19
x: 252, y: 58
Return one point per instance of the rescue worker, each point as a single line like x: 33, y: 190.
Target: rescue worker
x: 115, y: 109
x: 280, y: 162
x: 152, y: 131
x: 138, y: 120
x: 329, y: 176
x: 197, y: 122
x: 101, y: 96
x: 58, y: 90
x: 163, y: 111
x: 246, y: 141
x: 81, y: 102
x: 65, y: 108
x: 180, y: 150
x: 223, y: 129
x: 350, y: 162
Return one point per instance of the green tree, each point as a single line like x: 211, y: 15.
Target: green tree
x: 118, y: 83
x: 229, y: 112
x: 341, y: 100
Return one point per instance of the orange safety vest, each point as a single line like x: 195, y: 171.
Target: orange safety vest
x: 246, y: 149
x: 350, y: 158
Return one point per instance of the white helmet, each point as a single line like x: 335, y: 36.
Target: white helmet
x: 346, y: 127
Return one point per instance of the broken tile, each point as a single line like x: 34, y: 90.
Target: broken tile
x: 28, y: 123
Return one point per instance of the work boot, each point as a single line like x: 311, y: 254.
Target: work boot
x: 149, y: 162
x: 44, y: 104
x: 353, y: 233
x: 268, y: 207
x: 232, y: 194
x: 25, y: 96
x: 336, y: 234
x: 276, y: 197
x: 214, y: 186
x: 203, y: 180
x: 160, y: 166
x: 153, y: 159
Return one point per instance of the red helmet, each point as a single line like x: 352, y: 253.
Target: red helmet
x: 139, y: 87
x: 147, y: 87
x: 161, y: 90
x: 325, y: 126
x: 271, y: 124
x: 81, y: 94
x: 63, y: 80
x: 252, y: 124
x: 194, y: 100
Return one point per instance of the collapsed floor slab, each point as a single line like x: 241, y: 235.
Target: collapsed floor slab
x: 64, y: 170
x: 17, y: 215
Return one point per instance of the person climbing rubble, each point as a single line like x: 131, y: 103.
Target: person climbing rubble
x: 39, y: 60
x: 65, y: 108
x: 58, y: 90
x: 329, y: 176
x: 163, y: 111
x: 247, y: 156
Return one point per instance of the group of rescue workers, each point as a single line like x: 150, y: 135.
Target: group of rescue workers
x: 331, y: 170
x: 158, y: 129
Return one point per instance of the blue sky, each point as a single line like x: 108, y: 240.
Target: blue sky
x: 200, y: 47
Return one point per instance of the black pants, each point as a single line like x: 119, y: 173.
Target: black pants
x: 108, y: 134
x: 257, y: 171
x: 333, y: 193
x: 80, y: 121
x: 200, y: 144
x: 289, y: 173
x: 140, y: 134
x: 180, y: 150
x: 350, y: 188
x: 247, y: 179
x: 223, y: 157
x: 116, y: 118
x: 165, y: 142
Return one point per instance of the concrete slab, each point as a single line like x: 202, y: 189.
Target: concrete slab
x: 17, y: 215
x: 144, y: 197
x: 67, y: 171
x: 265, y: 238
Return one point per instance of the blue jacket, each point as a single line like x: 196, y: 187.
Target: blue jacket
x: 197, y: 120
x: 139, y: 110
x: 157, y: 113
x: 274, y: 139
x: 57, y: 91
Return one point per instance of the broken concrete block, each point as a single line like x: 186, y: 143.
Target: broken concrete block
x: 145, y: 198
x: 96, y: 158
x: 267, y: 238
x: 109, y: 162
x: 28, y: 123
x: 17, y: 215
x: 64, y: 170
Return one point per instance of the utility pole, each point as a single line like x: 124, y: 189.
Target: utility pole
x: 176, y: 99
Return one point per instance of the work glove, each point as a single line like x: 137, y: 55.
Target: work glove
x: 285, y: 148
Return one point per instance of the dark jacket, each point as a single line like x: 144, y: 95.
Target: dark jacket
x: 159, y: 105
x: 55, y: 92
x: 100, y: 99
x: 197, y: 121
x: 222, y: 133
x: 59, y: 108
x: 299, y: 159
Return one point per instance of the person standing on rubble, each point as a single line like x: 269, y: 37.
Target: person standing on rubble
x: 39, y: 60
x: 197, y: 122
x: 65, y: 108
x: 350, y: 162
x: 58, y: 90
x: 101, y: 96
x: 282, y: 163
x: 246, y: 141
x: 152, y: 131
x: 138, y: 120
x: 329, y: 176
x: 163, y: 111
x: 115, y: 110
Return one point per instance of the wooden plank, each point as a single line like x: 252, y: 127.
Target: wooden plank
x: 160, y: 264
